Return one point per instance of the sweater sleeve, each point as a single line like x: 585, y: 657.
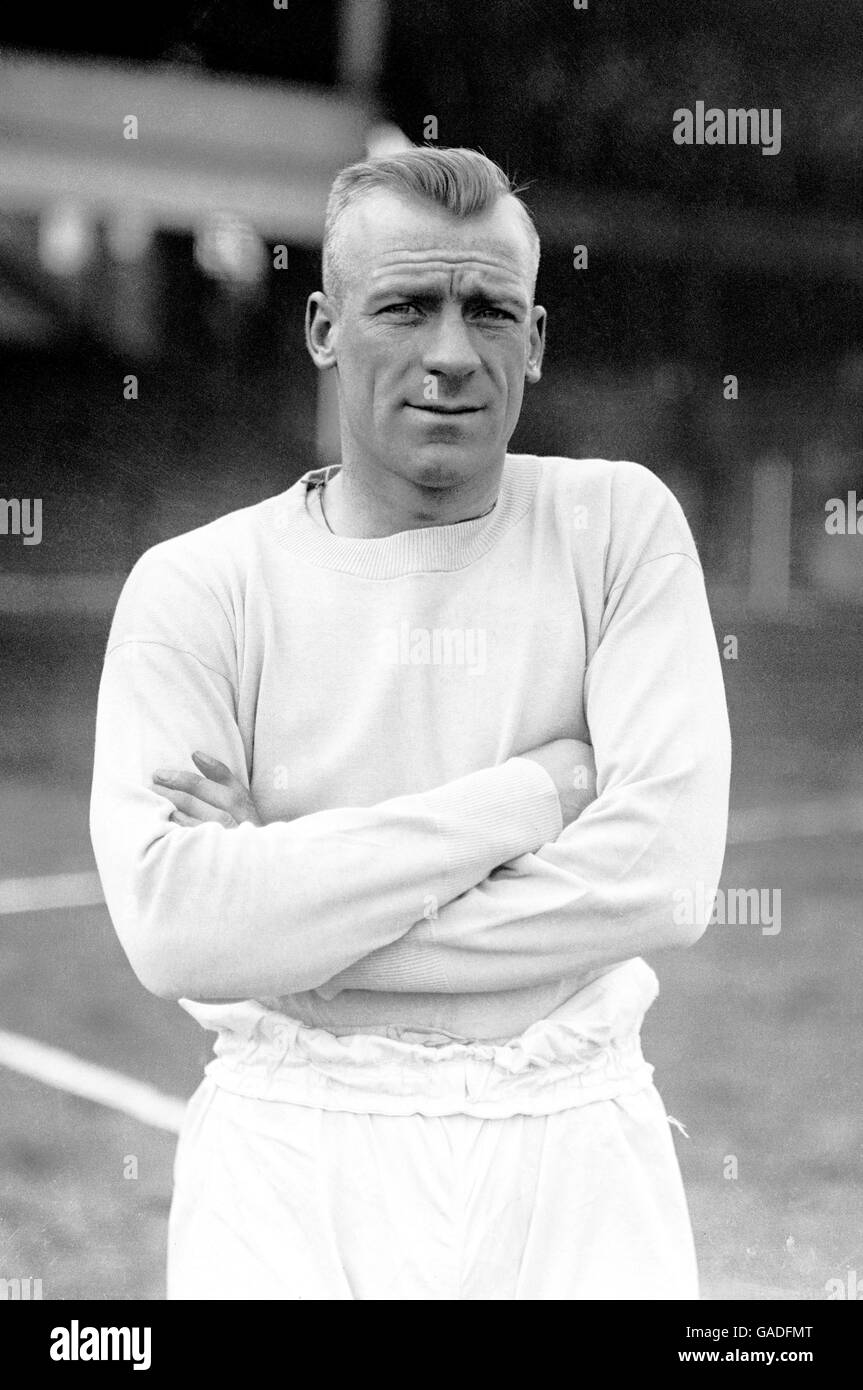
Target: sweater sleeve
x: 608, y: 887
x: 215, y: 913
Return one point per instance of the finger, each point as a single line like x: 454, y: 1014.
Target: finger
x: 193, y: 784
x: 237, y: 799
x: 193, y: 806
x: 215, y: 770
x: 180, y: 818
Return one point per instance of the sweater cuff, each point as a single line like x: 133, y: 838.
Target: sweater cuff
x: 408, y: 964
x: 511, y: 809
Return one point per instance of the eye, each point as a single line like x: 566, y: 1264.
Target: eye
x: 490, y: 310
x: 402, y: 308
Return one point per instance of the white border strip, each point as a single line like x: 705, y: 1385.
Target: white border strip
x: 48, y: 891
x: 66, y: 1072
x: 761, y: 825
x: 801, y: 821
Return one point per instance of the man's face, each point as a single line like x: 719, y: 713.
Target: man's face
x: 433, y: 336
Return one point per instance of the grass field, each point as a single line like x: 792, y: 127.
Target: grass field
x: 756, y: 1038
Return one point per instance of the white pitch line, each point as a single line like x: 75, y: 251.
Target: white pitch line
x: 48, y: 891
x: 112, y: 1089
x: 802, y: 821
x: 809, y: 820
x: 65, y: 1072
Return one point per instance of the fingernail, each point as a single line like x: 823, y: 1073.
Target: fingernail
x: 202, y: 758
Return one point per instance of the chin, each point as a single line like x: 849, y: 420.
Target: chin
x: 444, y: 467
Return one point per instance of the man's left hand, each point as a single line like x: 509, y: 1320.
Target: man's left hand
x: 215, y: 795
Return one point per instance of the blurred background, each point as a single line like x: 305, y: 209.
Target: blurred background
x: 162, y: 190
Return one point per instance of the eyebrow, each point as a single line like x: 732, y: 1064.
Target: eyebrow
x: 403, y: 289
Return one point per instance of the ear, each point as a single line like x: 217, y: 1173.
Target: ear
x: 321, y: 321
x: 536, y: 348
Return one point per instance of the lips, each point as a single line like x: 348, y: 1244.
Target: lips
x: 449, y: 409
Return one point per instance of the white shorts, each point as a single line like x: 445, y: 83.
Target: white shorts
x: 276, y: 1199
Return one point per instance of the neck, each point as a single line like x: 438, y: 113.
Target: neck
x: 365, y: 506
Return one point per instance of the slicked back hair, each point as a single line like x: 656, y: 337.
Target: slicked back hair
x: 462, y: 181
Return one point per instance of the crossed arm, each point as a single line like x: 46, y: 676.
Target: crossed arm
x: 216, y: 795
x: 471, y: 886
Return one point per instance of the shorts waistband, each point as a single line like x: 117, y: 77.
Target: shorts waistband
x: 588, y: 1050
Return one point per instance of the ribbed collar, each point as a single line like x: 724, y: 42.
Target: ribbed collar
x: 427, y: 549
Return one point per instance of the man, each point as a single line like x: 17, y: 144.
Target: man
x: 397, y: 886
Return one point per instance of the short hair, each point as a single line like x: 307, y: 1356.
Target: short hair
x: 462, y: 181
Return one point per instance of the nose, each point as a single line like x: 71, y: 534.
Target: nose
x: 448, y: 349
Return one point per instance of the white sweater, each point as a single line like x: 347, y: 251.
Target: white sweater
x: 412, y: 877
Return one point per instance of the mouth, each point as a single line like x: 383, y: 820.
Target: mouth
x: 447, y: 409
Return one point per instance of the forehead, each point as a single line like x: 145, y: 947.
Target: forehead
x: 384, y: 235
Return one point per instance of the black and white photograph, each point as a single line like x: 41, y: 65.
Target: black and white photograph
x: 431, y: 597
